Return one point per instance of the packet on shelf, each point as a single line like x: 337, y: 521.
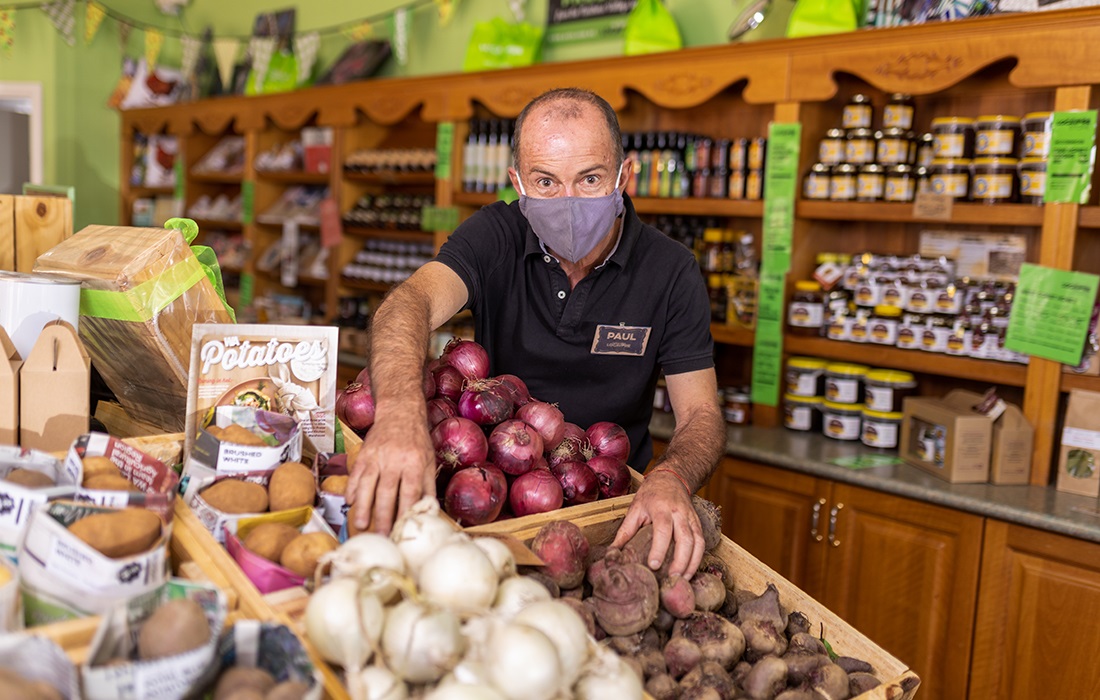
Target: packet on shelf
x: 109, y: 472
x: 20, y: 496
x: 269, y: 575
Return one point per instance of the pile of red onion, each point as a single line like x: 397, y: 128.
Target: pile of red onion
x: 500, y: 452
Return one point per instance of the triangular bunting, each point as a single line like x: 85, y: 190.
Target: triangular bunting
x: 124, y: 36
x: 61, y: 14
x: 225, y: 53
x: 360, y: 32
x: 154, y: 40
x: 189, y: 56
x: 446, y: 11
x: 7, y: 31
x: 93, y: 17
x: 261, y: 48
x: 401, y: 35
x: 305, y: 51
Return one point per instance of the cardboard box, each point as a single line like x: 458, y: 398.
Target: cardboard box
x: 17, y: 502
x: 1011, y: 441
x: 54, y: 390
x: 10, y: 362
x: 943, y: 439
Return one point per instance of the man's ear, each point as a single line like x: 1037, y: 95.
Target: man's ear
x: 514, y: 177
x: 624, y: 174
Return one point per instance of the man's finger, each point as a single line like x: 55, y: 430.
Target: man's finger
x: 385, y: 501
x: 697, y: 552
x: 411, y: 491
x: 683, y: 544
x: 364, y: 500
x: 662, y: 537
x: 630, y: 526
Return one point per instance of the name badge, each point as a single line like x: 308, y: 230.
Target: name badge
x: 621, y: 340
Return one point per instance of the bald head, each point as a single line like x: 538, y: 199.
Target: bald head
x: 570, y: 104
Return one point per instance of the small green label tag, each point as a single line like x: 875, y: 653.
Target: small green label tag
x: 1072, y: 155
x: 248, y: 199
x: 247, y: 287
x: 444, y: 146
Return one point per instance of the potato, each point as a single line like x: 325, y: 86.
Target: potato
x: 288, y: 690
x: 96, y: 466
x: 291, y: 486
x: 236, y: 496
x: 240, y: 435
x: 13, y: 685
x: 111, y: 482
x: 270, y: 539
x: 120, y: 533
x: 29, y: 478
x: 337, y: 485
x: 176, y: 627
x: 301, y: 555
x: 5, y: 575
x: 242, y: 678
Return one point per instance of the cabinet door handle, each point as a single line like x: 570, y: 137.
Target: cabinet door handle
x: 833, y: 512
x: 815, y: 519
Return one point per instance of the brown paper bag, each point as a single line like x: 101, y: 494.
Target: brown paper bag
x: 1079, y: 453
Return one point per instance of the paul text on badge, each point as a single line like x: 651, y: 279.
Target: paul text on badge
x: 620, y: 340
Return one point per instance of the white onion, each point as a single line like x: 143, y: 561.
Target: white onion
x: 566, y: 630
x: 459, y: 576
x: 344, y: 621
x: 363, y: 552
x: 462, y: 691
x: 421, y: 643
x: 503, y: 559
x: 376, y: 683
x: 469, y: 671
x: 522, y: 663
x: 516, y: 593
x: 419, y: 532
x: 607, y: 676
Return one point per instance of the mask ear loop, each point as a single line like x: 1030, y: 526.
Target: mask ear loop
x: 520, y: 181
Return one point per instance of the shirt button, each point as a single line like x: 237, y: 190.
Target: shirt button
x: 546, y: 258
x: 561, y: 294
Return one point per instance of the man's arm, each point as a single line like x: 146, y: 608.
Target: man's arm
x: 664, y: 498
x: 396, y: 464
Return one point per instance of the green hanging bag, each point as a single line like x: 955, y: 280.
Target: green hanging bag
x: 815, y: 17
x: 650, y: 28
x: 501, y: 44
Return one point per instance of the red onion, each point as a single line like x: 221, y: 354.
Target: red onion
x: 514, y: 446
x: 613, y: 474
x: 516, y: 388
x: 448, y: 382
x: 568, y: 450
x: 467, y: 357
x: 537, y: 491
x: 459, y: 443
x: 485, y: 402
x: 475, y: 495
x: 428, y: 383
x: 545, y: 418
x: 607, y: 439
x: 355, y: 406
x: 435, y: 364
x: 439, y: 409
x: 363, y: 377
x: 579, y: 483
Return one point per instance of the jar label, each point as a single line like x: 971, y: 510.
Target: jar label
x: 869, y: 186
x: 884, y: 331
x: 868, y: 294
x: 802, y: 383
x: 908, y: 338
x: 737, y: 185
x: 842, y: 390
x: 831, y: 151
x: 860, y: 151
x: 858, y: 332
x: 756, y: 154
x: 892, y: 151
x: 838, y: 330
x: 880, y: 434
x: 1033, y: 183
x: 734, y: 415
x: 737, y: 157
x: 926, y: 154
x: 899, y: 189
x: 856, y: 117
x: 995, y: 142
x: 993, y: 186
x: 953, y: 184
x: 958, y: 342
x: 935, y: 339
x: 918, y: 301
x: 897, y: 117
x: 753, y: 185
x: 803, y: 314
x: 841, y: 427
x: 880, y: 398
x: 817, y: 187
x: 842, y: 187
x: 949, y: 303
x: 1035, y: 145
x: 949, y: 145
x: 798, y: 417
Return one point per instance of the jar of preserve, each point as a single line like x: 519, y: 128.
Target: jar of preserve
x: 833, y: 148
x: 736, y: 407
x: 870, y: 183
x: 858, y: 329
x: 838, y: 324
x: 880, y: 429
x: 739, y: 154
x: 860, y: 147
x: 894, y: 291
x: 886, y: 389
x: 754, y: 184
x: 716, y: 290
x: 910, y: 330
x: 842, y: 184
x: 883, y: 326
x: 816, y: 183
x: 958, y: 342
x: 844, y: 382
x: 901, y: 184
x: 757, y: 152
x: 858, y: 113
x: 841, y: 421
x: 802, y: 413
x: 953, y: 137
x: 806, y: 312
x: 892, y: 146
x: 868, y: 292
x: 898, y: 112
x: 993, y: 180
x: 1033, y: 180
x: 951, y: 177
x: 924, y: 179
x: 936, y: 334
x: 996, y: 135
x: 805, y: 376
x: 1036, y: 135
x: 926, y: 150
x: 949, y: 300
x: 737, y: 184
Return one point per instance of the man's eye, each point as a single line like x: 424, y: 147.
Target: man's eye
x: 592, y: 180
x: 543, y: 182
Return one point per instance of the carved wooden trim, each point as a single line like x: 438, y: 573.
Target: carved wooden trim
x: 291, y: 116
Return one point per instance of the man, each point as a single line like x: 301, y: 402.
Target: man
x: 575, y: 296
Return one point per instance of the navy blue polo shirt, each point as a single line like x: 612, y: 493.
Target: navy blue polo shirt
x: 535, y: 327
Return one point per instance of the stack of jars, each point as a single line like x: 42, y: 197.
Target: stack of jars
x: 679, y: 165
x: 846, y: 401
x: 728, y: 261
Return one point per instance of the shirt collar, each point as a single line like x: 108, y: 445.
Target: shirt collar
x: 620, y: 254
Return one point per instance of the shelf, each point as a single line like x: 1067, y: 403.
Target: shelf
x: 261, y: 220
x: 1080, y: 381
x: 391, y: 178
x: 151, y: 191
x: 217, y: 224
x: 475, y: 199
x: 1090, y: 217
x: 294, y: 177
x: 699, y: 206
x: 366, y: 285
x: 217, y: 178
x: 303, y: 280
x: 392, y: 234
x: 918, y: 361
x: 732, y: 335
x: 964, y: 213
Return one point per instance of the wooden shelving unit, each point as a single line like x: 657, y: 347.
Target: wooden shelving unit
x: 732, y: 335
x: 216, y: 178
x: 962, y: 213
x: 293, y: 177
x: 391, y: 178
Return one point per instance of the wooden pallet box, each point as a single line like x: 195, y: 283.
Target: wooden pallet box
x: 142, y: 289
x: 29, y: 226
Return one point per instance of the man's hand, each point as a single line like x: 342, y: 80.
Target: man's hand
x: 663, y: 501
x: 395, y: 467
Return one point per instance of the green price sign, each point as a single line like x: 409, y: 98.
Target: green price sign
x: 1071, y: 158
x: 444, y: 147
x: 247, y: 289
x: 248, y: 200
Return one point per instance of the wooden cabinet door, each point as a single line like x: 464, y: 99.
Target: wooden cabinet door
x: 1036, y: 634
x: 770, y: 512
x: 905, y: 574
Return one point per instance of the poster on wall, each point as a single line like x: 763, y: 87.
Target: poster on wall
x: 576, y: 21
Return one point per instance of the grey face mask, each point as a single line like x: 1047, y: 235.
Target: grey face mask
x: 572, y: 227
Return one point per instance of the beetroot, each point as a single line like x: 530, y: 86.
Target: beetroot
x: 663, y: 687
x: 713, y: 564
x: 709, y: 675
x: 710, y: 594
x: 719, y: 639
x: 768, y: 677
x: 653, y: 662
x: 626, y: 595
x: 682, y: 655
x: 637, y: 550
x: 710, y: 517
x: 563, y: 548
x: 763, y: 624
x: 677, y: 596
x: 584, y: 611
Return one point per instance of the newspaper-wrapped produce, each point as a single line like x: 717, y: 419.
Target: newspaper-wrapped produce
x: 25, y: 481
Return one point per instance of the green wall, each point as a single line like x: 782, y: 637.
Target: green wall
x: 82, y: 133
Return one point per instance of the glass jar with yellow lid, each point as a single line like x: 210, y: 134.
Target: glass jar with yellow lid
x: 953, y: 137
x: 993, y: 180
x: 996, y: 135
x: 887, y: 389
x: 950, y: 176
x: 844, y: 382
x: 805, y: 376
x: 1036, y: 135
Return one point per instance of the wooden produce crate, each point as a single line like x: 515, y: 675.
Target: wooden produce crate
x: 898, y: 681
x: 29, y: 226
